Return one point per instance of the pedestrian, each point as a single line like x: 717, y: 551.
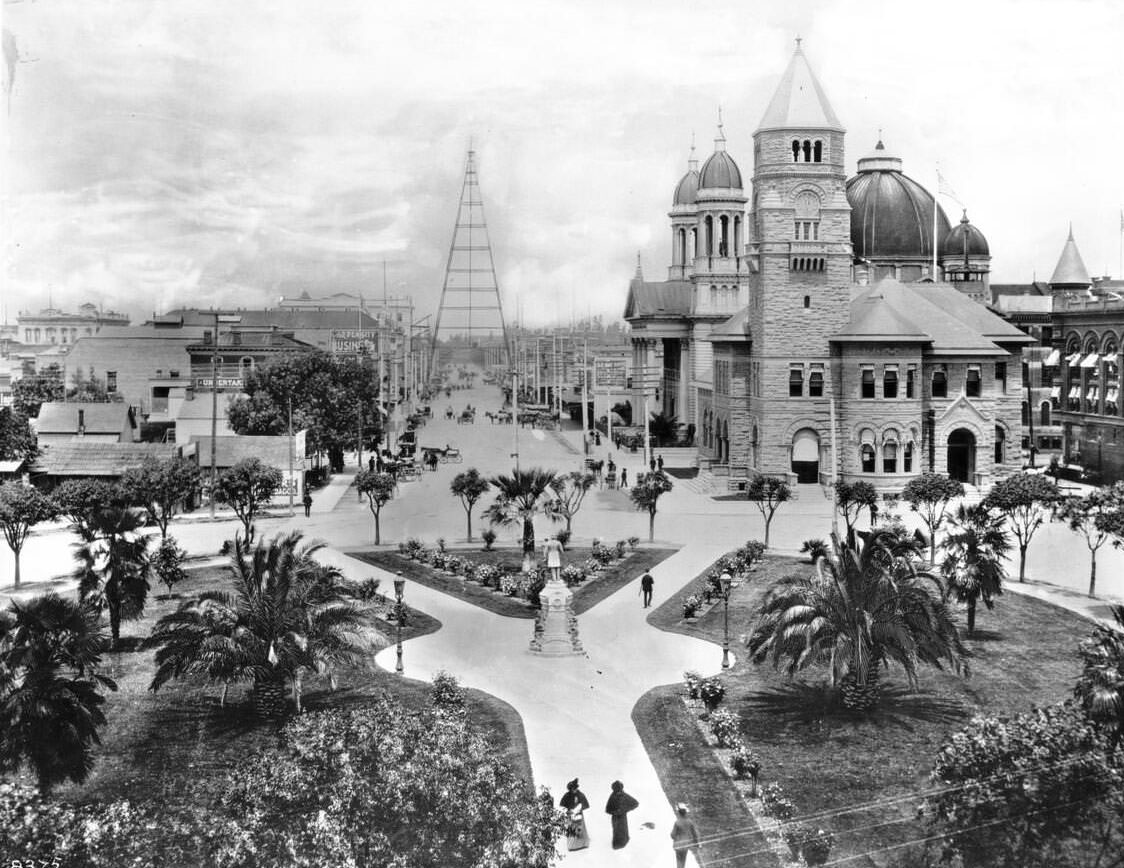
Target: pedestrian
x: 371, y: 463
x: 307, y: 501
x: 659, y: 463
x: 611, y: 467
x: 646, y: 583
x: 624, y: 477
x: 652, y: 465
x: 684, y: 836
x: 575, y: 804
x: 618, y: 806
x: 597, y: 438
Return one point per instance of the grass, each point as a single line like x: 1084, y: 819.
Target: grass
x: 586, y: 596
x: 828, y: 758
x: 155, y: 743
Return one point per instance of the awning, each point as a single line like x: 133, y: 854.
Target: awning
x: 1090, y: 361
x: 1112, y: 395
x: 1110, y: 359
x: 1075, y: 391
x: 1056, y: 392
x: 1091, y: 395
x: 1054, y: 359
x: 1072, y: 359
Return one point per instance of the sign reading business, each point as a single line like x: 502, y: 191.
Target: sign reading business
x: 351, y: 341
x: 220, y: 383
x: 610, y: 374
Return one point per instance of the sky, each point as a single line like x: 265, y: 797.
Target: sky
x: 204, y: 152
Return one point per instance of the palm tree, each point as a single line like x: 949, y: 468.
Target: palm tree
x: 862, y: 608
x: 287, y: 616
x: 1100, y: 688
x: 113, y: 565
x: 521, y: 498
x: 663, y: 427
x: 974, y: 550
x: 50, y: 691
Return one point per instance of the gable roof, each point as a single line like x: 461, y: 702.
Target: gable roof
x: 90, y: 458
x: 735, y: 329
x: 57, y: 417
x: 668, y: 298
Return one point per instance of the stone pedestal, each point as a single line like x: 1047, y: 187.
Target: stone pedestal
x: 556, y: 627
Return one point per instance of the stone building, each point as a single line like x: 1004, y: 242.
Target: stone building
x: 799, y: 342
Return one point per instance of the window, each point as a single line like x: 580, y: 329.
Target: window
x: 796, y: 381
x: 910, y: 376
x: 890, y: 456
x: 815, y: 384
x: 1026, y: 413
x: 940, y: 383
x: 890, y: 383
x: 111, y: 381
x: 1001, y: 376
x: 907, y: 458
x: 807, y: 301
x: 866, y: 455
x: 867, y: 383
x: 721, y: 377
x: 1000, y: 444
x: 1044, y: 415
x: 972, y: 383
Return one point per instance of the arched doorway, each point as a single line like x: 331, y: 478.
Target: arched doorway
x: 806, y: 455
x: 962, y: 455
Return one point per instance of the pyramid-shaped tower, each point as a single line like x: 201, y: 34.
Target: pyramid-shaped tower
x: 1070, y: 273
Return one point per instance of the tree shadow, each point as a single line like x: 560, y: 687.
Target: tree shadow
x: 985, y: 636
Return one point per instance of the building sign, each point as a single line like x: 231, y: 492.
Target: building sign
x: 610, y: 373
x: 223, y: 383
x: 355, y: 340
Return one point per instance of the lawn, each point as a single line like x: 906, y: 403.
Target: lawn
x: 831, y: 760
x: 586, y: 596
x: 154, y: 743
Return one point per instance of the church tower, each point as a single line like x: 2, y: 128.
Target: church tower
x: 799, y: 257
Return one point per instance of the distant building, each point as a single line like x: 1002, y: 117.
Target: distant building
x: 60, y: 422
x: 88, y: 459
x: 54, y: 326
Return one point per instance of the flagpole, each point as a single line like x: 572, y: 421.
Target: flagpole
x: 935, y: 224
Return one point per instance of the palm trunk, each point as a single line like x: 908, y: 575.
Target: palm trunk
x: 971, y: 615
x: 114, y: 624
x: 297, y: 690
x: 222, y: 698
x: 269, y: 697
x: 860, y: 697
x: 528, y: 536
x: 651, y: 526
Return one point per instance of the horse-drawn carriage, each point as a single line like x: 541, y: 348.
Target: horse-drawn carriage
x: 442, y: 454
x: 500, y: 417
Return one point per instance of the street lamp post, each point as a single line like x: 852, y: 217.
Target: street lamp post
x: 399, y: 588
x: 725, y: 581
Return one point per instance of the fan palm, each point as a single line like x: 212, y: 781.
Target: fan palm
x: 287, y: 616
x: 974, y: 551
x: 113, y: 565
x: 1100, y: 688
x: 521, y: 497
x: 50, y: 692
x: 862, y: 608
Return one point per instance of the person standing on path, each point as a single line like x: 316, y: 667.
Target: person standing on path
x: 618, y: 806
x: 624, y: 477
x: 307, y: 501
x: 659, y: 463
x: 684, y: 836
x: 646, y: 583
x: 575, y: 804
x: 652, y: 464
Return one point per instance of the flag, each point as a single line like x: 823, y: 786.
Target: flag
x: 1122, y: 219
x: 944, y: 189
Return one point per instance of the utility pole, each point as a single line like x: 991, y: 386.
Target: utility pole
x: 292, y: 478
x: 585, y: 395
x: 219, y: 318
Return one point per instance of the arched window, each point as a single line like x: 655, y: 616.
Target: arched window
x: 866, y: 457
x: 753, y: 442
x: 807, y: 301
x: 817, y: 152
x: 723, y: 235
x: 694, y: 241
x: 709, y: 235
x: 1000, y: 444
x: 737, y: 235
x: 890, y: 456
x: 1045, y: 413
x: 682, y: 247
x: 940, y: 383
x: 795, y: 151
x: 907, y: 458
x: 807, y: 151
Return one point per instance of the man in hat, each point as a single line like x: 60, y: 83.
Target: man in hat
x: 684, y: 836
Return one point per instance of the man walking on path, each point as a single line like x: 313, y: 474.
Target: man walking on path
x: 307, y: 501
x: 684, y: 836
x: 646, y: 583
x: 624, y: 477
x: 659, y: 463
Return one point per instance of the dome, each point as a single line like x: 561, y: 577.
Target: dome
x: 688, y: 189
x: 721, y: 171
x: 964, y: 239
x: 891, y: 214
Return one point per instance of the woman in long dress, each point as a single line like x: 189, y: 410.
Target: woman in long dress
x: 618, y: 806
x: 575, y: 804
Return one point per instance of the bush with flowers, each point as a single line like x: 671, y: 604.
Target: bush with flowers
x: 573, y: 575
x: 725, y: 725
x: 487, y: 575
x: 691, y: 606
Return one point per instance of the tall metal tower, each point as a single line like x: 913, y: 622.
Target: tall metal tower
x: 470, y: 296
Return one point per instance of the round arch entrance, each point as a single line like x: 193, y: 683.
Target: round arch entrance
x: 962, y: 455
x: 806, y: 455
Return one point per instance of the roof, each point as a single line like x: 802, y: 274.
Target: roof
x: 799, y: 101
x: 230, y: 450
x: 720, y: 171
x: 1036, y: 288
x: 964, y: 239
x: 735, y: 329
x: 89, y: 458
x: 1025, y: 304
x: 938, y: 315
x: 200, y: 406
x: 1071, y: 270
x: 285, y: 318
x: 57, y: 417
x: 669, y: 298
x: 12, y: 466
x: 686, y: 191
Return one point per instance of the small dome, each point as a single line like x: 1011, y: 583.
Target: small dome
x: 687, y: 191
x: 891, y: 214
x: 964, y: 239
x: 720, y: 171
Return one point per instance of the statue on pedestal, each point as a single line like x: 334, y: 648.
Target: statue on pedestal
x: 556, y: 627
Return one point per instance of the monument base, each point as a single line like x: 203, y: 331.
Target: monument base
x: 556, y: 627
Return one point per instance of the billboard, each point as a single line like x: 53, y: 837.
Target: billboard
x: 351, y: 341
x: 610, y: 373
x: 205, y: 383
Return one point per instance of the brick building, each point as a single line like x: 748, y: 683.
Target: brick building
x: 769, y: 336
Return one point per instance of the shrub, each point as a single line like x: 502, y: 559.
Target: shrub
x: 711, y: 692
x: 487, y: 575
x: 794, y: 837
x: 692, y: 679
x: 621, y: 548
x: 754, y: 551
x: 817, y: 845
x: 167, y: 563
x: 226, y: 548
x: 725, y: 725
x: 446, y: 694
x: 489, y: 537
x: 563, y: 537
x: 591, y: 566
x: 691, y: 606
x: 437, y: 560
x: 603, y: 555
x: 441, y: 544
x: 745, y: 762
x: 814, y: 549
x: 573, y: 575
x: 775, y: 804
x: 368, y: 590
x: 414, y: 548
x: 633, y: 542
x: 508, y: 584
x: 535, y: 583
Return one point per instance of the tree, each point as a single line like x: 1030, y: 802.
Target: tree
x: 286, y: 617
x: 17, y: 440
x: 645, y: 495
x: 113, y: 566
x: 1096, y: 516
x: 1025, y: 499
x: 861, y: 608
x: 50, y: 690
x: 378, y: 488
x: 929, y: 494
x: 419, y: 789
x: 974, y: 551
x: 160, y: 487
x: 167, y: 563
x: 569, y: 490
x: 1100, y: 688
x: 246, y: 488
x: 1035, y: 789
x: 852, y: 498
x: 767, y: 494
x: 328, y: 394
x: 469, y: 486
x: 520, y: 499
x: 663, y: 428
x: 21, y: 508
x: 32, y: 391
x: 79, y: 499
